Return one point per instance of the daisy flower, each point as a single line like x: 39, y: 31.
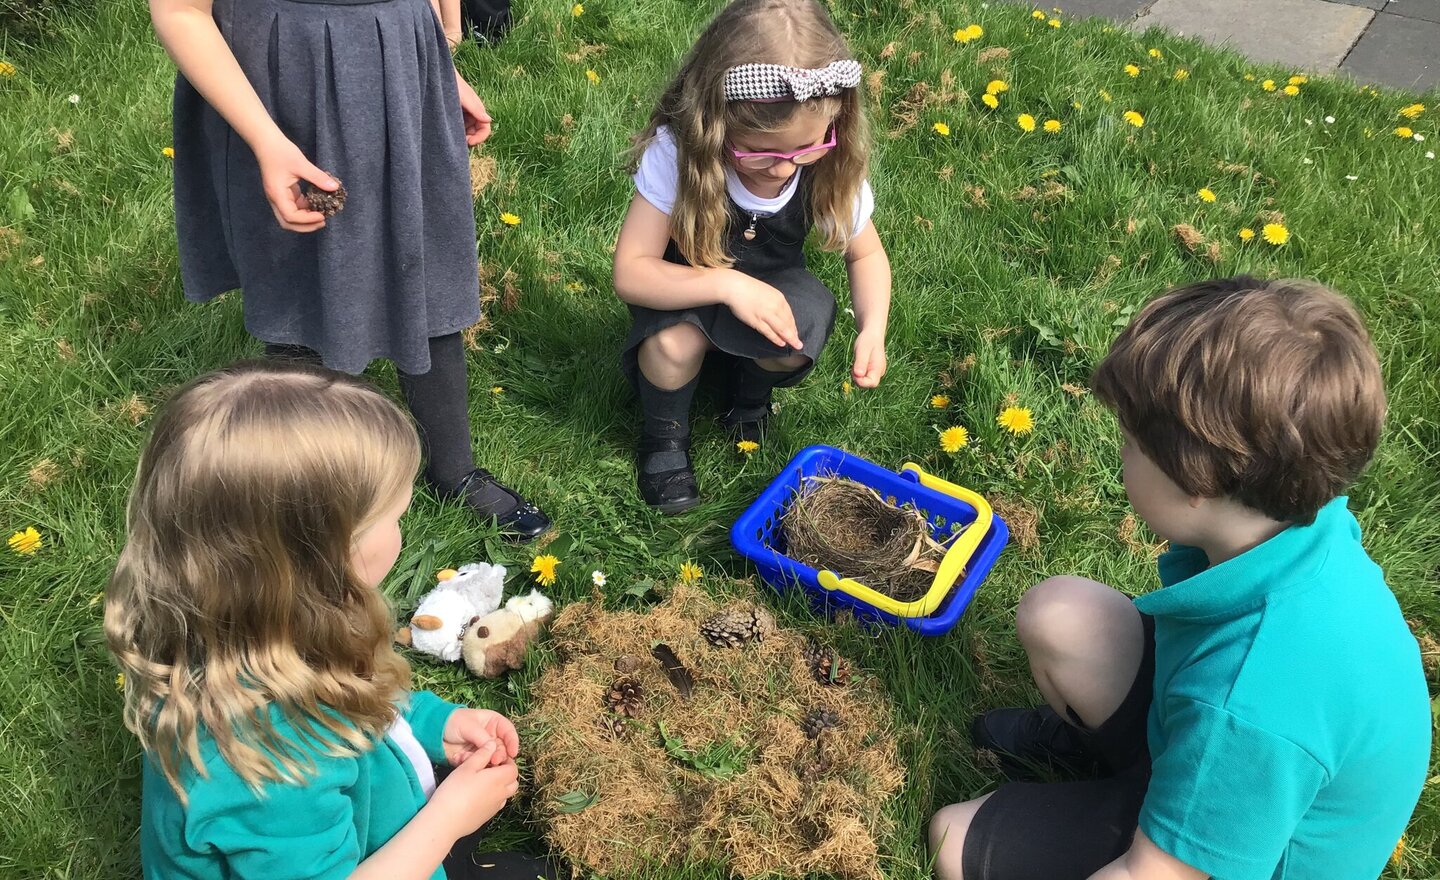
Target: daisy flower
x: 1275, y: 233
x: 1016, y: 420
x: 544, y: 569
x: 954, y: 438
x: 597, y: 577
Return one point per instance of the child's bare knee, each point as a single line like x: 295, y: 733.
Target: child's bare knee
x: 679, y: 343
x: 1048, y: 611
x: 947, y: 832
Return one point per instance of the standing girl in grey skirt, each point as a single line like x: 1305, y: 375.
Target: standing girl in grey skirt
x: 269, y: 93
x: 760, y: 137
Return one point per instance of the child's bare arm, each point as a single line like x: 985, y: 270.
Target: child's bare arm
x: 644, y: 278
x: 1146, y: 861
x: 189, y: 34
x: 869, y: 269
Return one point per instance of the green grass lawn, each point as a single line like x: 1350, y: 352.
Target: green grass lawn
x: 1017, y: 256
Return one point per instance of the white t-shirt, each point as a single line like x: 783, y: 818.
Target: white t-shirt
x: 658, y: 177
x: 405, y: 738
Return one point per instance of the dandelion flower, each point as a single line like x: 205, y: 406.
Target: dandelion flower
x: 7, y: 69
x: 1104, y: 95
x: 1182, y: 73
x: 510, y: 219
x: 1076, y: 105
x: 1134, y: 118
x: 954, y: 438
x: 168, y: 152
x: 1206, y: 194
x: 1268, y: 85
x: 1246, y: 234
x: 1156, y: 53
x: 1053, y: 125
x: 1016, y: 420
x: 990, y: 100
x: 1038, y: 15
x: 574, y: 286
x: 1132, y: 70
x: 27, y: 542
x: 597, y: 577
x: 1298, y: 80
x: 1413, y: 111
x: 577, y: 10
x: 1025, y: 121
x: 941, y: 129
x: 975, y: 31
x: 746, y: 447
x: 939, y: 401
x: 120, y: 682
x: 1054, y: 22
x: 592, y: 76
x: 1403, y: 131
x: 961, y: 36
x: 690, y: 573
x: 845, y: 387
x: 1292, y: 91
x: 996, y: 86
x: 497, y: 390
x: 1249, y: 77
x: 544, y: 569
x: 1399, y: 852
x: 1275, y: 233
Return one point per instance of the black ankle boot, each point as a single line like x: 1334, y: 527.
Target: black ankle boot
x: 672, y: 490
x: 518, y: 519
x: 1031, y: 740
x: 747, y: 424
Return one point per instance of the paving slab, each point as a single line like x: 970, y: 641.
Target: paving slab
x: 1117, y: 10
x: 1310, y: 35
x: 1368, y: 4
x: 1427, y: 10
x: 1397, y: 51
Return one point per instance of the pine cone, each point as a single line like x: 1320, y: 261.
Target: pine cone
x: 612, y: 726
x: 819, y: 720
x: 626, y: 697
x: 327, y: 203
x: 828, y: 667
x: 734, y: 627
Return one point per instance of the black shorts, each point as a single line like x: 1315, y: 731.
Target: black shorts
x: 1063, y: 830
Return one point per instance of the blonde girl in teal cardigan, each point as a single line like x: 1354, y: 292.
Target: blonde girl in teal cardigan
x: 281, y: 737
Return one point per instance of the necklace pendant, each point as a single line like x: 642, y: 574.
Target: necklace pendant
x: 749, y: 233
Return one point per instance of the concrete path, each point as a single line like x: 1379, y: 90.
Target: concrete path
x: 1394, y: 42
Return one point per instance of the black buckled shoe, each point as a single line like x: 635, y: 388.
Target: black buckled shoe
x: 669, y: 491
x: 519, y: 520
x: 1029, y: 741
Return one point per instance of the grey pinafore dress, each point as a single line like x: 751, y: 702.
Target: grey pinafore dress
x: 776, y: 255
x: 366, y: 89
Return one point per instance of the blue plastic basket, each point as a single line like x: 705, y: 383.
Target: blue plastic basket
x: 758, y: 537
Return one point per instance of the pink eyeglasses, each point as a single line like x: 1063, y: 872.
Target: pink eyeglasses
x: 802, y: 156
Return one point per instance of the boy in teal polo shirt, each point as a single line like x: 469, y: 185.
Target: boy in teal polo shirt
x: 1264, y: 714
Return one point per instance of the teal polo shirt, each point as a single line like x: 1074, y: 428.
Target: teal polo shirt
x: 317, y: 831
x: 1290, y: 729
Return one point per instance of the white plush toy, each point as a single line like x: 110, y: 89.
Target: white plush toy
x: 447, y: 611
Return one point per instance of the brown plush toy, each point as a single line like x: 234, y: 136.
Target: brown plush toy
x: 497, y: 642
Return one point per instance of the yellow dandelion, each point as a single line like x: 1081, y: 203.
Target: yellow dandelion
x: 1155, y: 53
x: 690, y: 573
x: 575, y: 286
x: 939, y: 401
x: 1404, y: 132
x: 975, y: 31
x: 497, y: 390
x: 7, y: 69
x: 1399, y: 852
x: 1246, y: 234
x: 1134, y: 118
x: 996, y: 86
x: 845, y: 387
x: 510, y: 219
x: 1292, y: 91
x: 120, y: 682
x: 1025, y: 121
x: 592, y: 76
x: 990, y: 100
x: 1076, y: 105
x: 941, y: 129
x: 1182, y: 73
x: 1249, y: 77
x: 1413, y: 111
x: 954, y: 438
x: 1053, y: 125
x: 544, y: 569
x: 1016, y: 420
x: 27, y: 542
x: 961, y: 36
x: 1038, y: 15
x: 577, y: 10
x: 746, y: 447
x: 1132, y: 70
x: 1268, y: 85
x: 168, y: 152
x: 1206, y: 194
x: 1298, y: 80
x: 1275, y: 233
x: 1105, y: 96
x: 1054, y: 22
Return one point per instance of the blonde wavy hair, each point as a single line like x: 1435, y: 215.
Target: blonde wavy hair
x: 235, y: 591
x: 797, y: 33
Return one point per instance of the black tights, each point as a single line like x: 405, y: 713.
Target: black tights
x: 439, y: 401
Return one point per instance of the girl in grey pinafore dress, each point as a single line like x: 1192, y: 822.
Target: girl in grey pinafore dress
x: 367, y: 91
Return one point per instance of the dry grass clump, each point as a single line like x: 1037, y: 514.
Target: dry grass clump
x: 725, y: 776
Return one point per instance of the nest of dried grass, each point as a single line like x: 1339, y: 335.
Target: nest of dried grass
x: 740, y: 785
x: 846, y: 527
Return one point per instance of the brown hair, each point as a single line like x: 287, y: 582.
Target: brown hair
x: 797, y: 33
x: 234, y: 595
x: 1267, y: 392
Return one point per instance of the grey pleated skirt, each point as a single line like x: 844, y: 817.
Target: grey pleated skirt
x: 367, y: 91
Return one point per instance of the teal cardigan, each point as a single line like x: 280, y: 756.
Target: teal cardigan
x: 317, y: 831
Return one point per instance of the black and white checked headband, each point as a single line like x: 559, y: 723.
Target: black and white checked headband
x: 773, y: 82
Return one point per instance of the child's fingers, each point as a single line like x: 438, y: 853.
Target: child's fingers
x: 309, y: 172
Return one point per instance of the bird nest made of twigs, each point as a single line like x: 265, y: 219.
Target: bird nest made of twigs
x: 838, y: 524
x: 654, y: 746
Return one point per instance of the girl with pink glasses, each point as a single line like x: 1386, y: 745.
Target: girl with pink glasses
x: 760, y: 137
